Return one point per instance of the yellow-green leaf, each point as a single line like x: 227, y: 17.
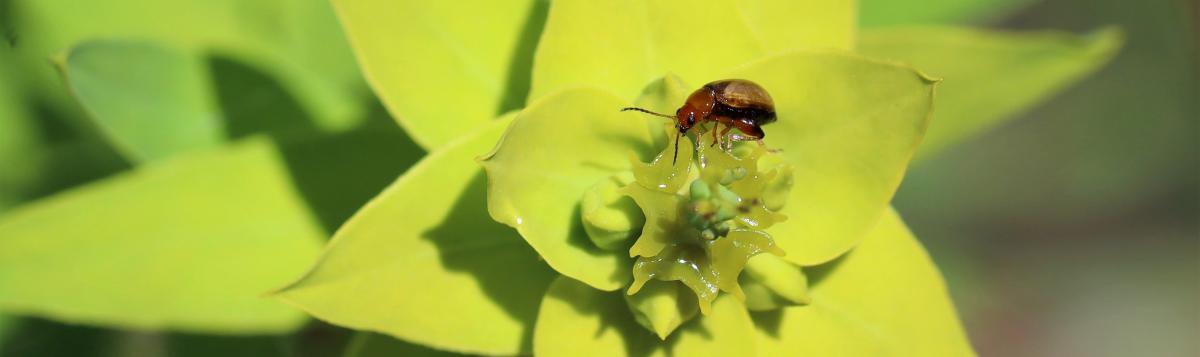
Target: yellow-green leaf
x: 877, y: 13
x: 425, y: 263
x: 664, y: 95
x: 788, y: 24
x: 443, y: 68
x: 189, y: 243
x: 577, y: 320
x: 297, y: 41
x: 990, y: 75
x: 883, y: 298
x: 555, y: 150
x: 848, y: 125
x: 623, y: 45
x: 771, y: 282
x: 726, y: 331
x: 153, y: 101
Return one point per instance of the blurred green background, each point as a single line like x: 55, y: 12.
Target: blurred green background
x: 1073, y: 229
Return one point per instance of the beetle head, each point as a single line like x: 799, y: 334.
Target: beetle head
x: 685, y: 119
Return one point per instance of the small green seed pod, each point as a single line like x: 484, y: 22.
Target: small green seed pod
x: 727, y: 196
x: 699, y: 190
x: 724, y: 213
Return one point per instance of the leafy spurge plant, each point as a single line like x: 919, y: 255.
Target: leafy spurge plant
x: 848, y: 126
x: 528, y: 228
x: 560, y: 175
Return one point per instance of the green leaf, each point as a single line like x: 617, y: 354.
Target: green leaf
x: 18, y: 143
x: 298, y: 41
x: 443, y: 68
x: 877, y: 13
x: 726, y: 331
x: 189, y: 243
x: 43, y: 146
x: 990, y: 76
x: 623, y: 45
x: 153, y: 101
x: 848, y: 125
x: 553, y: 152
x: 664, y: 95
x: 771, y: 282
x: 366, y: 344
x: 577, y: 320
x: 787, y: 24
x: 425, y: 263
x: 884, y: 298
x: 661, y: 306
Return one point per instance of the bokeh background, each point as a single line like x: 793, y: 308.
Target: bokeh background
x: 1073, y: 229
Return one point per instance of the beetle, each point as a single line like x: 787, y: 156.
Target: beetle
x: 737, y: 103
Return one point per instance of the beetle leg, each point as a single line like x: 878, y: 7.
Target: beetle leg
x: 717, y: 127
x: 751, y: 131
x: 728, y: 141
x: 769, y: 149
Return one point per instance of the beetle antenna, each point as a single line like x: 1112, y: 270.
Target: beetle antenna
x: 647, y: 112
x: 673, y: 158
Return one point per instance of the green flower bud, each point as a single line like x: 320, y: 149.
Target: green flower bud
x: 725, y: 212
x: 727, y: 196
x: 698, y: 190
x: 723, y: 228
x: 610, y: 219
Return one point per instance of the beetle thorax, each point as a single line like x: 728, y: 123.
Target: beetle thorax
x: 696, y: 109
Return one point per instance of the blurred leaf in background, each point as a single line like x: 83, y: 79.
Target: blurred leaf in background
x: 877, y: 13
x: 151, y: 100
x: 41, y: 149
x: 18, y: 140
x: 298, y: 41
x: 329, y: 177
x: 1078, y: 219
x: 158, y: 247
x: 185, y: 239
x: 991, y: 75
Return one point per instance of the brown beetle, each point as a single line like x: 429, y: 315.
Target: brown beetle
x: 737, y: 103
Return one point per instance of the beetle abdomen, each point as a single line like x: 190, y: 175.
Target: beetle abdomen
x: 740, y: 93
x: 756, y: 115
